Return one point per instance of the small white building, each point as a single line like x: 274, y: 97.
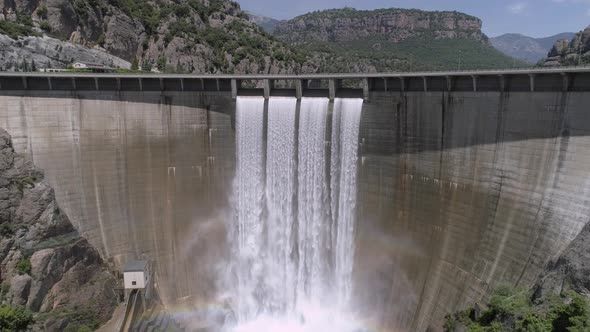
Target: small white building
x: 137, y: 274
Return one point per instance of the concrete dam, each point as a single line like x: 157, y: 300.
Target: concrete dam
x: 382, y: 208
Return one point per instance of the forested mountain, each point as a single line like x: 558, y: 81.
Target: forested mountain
x: 393, y: 39
x: 216, y: 36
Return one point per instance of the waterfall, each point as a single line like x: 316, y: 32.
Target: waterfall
x: 313, y: 215
x: 345, y: 133
x: 280, y: 198
x: 293, y: 235
x: 247, y: 234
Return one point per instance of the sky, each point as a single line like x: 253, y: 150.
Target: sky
x: 535, y: 18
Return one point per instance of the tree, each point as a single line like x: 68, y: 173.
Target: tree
x: 14, y: 318
x: 161, y: 64
x: 135, y: 64
x: 33, y: 65
x: 145, y: 65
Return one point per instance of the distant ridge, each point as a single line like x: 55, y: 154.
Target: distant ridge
x: 392, y: 39
x: 526, y: 48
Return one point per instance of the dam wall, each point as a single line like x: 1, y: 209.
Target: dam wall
x: 458, y: 191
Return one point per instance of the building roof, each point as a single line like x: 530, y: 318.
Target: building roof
x: 135, y: 266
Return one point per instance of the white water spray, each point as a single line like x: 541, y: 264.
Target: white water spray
x: 293, y: 241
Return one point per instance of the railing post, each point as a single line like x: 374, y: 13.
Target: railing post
x: 532, y: 82
x: 96, y: 86
x: 49, y: 83
x: 502, y: 81
x: 449, y: 83
x: 402, y: 84
x: 425, y: 81
x: 140, y: 84
x: 474, y: 78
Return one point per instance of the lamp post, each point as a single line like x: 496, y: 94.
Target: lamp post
x: 580, y: 55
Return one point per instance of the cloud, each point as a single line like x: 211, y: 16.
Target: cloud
x: 517, y: 8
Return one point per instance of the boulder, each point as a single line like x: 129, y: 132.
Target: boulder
x: 20, y: 286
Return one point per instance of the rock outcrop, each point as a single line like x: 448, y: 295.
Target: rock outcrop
x: 571, y: 272
x: 342, y: 25
x: 45, y: 265
x: 47, y: 52
x: 206, y: 36
x: 571, y: 53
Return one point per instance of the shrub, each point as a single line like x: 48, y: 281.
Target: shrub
x: 14, y: 318
x: 45, y: 26
x: 24, y: 266
x: 42, y: 12
x: 101, y: 39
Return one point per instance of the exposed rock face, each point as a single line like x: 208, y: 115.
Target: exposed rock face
x: 45, y: 265
x: 574, y: 52
x: 49, y: 52
x: 347, y: 24
x: 571, y: 271
x: 205, y: 36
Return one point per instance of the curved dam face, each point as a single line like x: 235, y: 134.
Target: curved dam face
x: 457, y: 192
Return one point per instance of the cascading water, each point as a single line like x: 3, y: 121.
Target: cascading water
x: 293, y: 237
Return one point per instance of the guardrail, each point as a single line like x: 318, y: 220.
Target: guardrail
x: 531, y: 79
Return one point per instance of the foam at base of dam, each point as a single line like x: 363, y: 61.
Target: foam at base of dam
x: 457, y: 192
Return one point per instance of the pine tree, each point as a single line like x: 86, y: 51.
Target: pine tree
x: 33, y: 66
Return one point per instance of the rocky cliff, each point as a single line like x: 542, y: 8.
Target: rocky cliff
x: 559, y: 302
x: 204, y: 36
x: 391, y: 40
x: 343, y: 25
x: 571, y: 53
x: 47, y: 52
x: 45, y: 265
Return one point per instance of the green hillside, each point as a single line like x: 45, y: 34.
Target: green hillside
x: 418, y: 53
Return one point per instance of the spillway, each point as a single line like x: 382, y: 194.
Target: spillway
x: 293, y: 242
x: 444, y: 193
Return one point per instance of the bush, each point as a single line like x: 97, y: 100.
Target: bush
x: 512, y: 310
x: 42, y: 12
x: 45, y: 26
x: 15, y: 30
x: 14, y: 318
x: 101, y: 39
x: 24, y: 266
